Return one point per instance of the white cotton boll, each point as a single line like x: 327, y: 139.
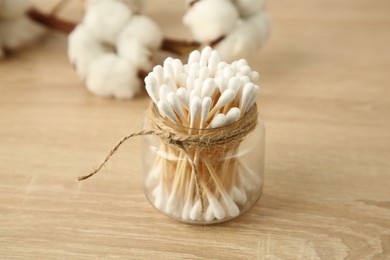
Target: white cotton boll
x: 211, y: 19
x: 246, y: 39
x: 134, y: 51
x: 106, y: 19
x: 13, y: 8
x: 111, y: 75
x: 248, y: 7
x: 16, y: 33
x: 144, y: 29
x: 83, y: 49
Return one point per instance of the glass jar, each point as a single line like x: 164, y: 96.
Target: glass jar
x: 226, y: 182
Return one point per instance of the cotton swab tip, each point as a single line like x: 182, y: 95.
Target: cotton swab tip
x: 218, y: 121
x: 166, y: 109
x: 194, y: 57
x: 232, y: 115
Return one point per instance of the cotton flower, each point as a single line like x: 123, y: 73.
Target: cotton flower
x: 236, y: 28
x: 246, y: 38
x: 211, y: 19
x: 106, y: 19
x: 84, y: 49
x: 108, y: 51
x: 142, y: 35
x: 16, y: 30
x: 111, y: 75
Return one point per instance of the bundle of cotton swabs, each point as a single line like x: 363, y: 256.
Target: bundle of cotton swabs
x: 206, y: 93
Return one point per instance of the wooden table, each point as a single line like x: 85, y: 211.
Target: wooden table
x: 326, y: 104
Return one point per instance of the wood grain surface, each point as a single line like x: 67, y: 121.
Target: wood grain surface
x: 326, y: 104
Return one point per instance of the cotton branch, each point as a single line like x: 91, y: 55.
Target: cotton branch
x: 175, y: 46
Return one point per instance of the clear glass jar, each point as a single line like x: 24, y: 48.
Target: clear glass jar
x: 230, y: 177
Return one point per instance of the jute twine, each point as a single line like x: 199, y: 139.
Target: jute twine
x: 178, y: 136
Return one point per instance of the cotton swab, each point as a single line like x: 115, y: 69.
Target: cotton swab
x: 209, y: 215
x: 177, y: 67
x: 222, y: 83
x: 245, y: 70
x: 166, y: 110
x: 231, y: 207
x: 159, y: 195
x: 234, y: 83
x: 163, y: 92
x: 170, y: 82
x: 217, y: 209
x: 168, y: 69
x: 195, y: 210
x: 198, y: 85
x: 194, y: 57
x: 188, y: 203
x: 227, y: 96
x: 232, y: 115
x: 247, y: 93
x: 242, y: 62
x: 173, y: 202
x: 228, y: 72
x: 252, y: 99
x: 203, y: 73
x: 218, y: 121
x: 190, y: 82
x: 182, y: 94
x: 244, y: 80
x: 174, y: 102
x: 195, y: 92
x: 213, y: 63
x: 205, y: 55
x: 206, y: 105
x: 194, y: 70
x: 152, y: 88
x: 158, y: 72
x: 181, y: 80
x: 208, y: 88
x: 195, y: 104
x: 238, y: 195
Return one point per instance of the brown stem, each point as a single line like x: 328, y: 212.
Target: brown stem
x: 51, y: 21
x: 193, y: 2
x: 178, y: 47
x: 217, y: 41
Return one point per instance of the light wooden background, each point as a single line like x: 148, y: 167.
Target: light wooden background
x: 326, y: 104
